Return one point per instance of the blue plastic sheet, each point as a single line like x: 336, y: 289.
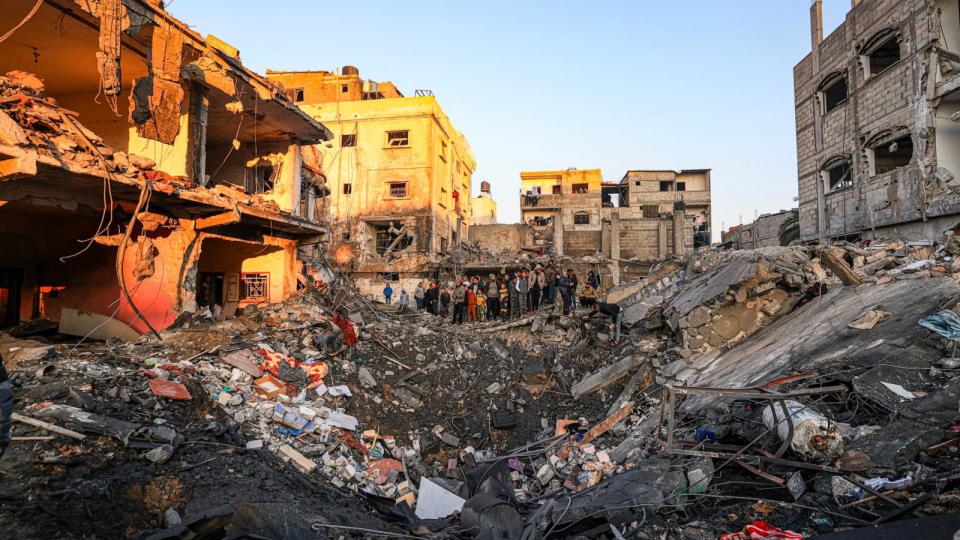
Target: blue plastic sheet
x: 946, y: 323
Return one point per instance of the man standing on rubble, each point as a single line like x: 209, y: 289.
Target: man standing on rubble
x: 6, y: 408
x: 613, y: 312
x: 459, y: 297
x: 431, y: 299
x: 550, y: 278
x: 513, y: 292
x: 493, y: 298
x: 523, y: 289
x: 568, y: 285
x: 444, y: 302
x: 388, y: 294
x: 404, y: 300
x: 418, y: 295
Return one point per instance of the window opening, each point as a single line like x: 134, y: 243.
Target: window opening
x: 892, y: 155
x: 348, y: 140
x: 581, y: 218
x: 398, y: 190
x: 884, y: 56
x: 665, y: 185
x: 254, y: 286
x: 835, y: 94
x: 398, y: 138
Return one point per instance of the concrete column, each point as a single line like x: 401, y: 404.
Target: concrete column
x: 615, y: 234
x: 679, y: 224
x: 816, y: 32
x: 662, y: 239
x: 557, y: 235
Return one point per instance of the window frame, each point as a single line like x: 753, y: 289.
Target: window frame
x: 874, y: 44
x: 395, y: 135
x: 830, y: 84
x: 578, y: 218
x: 244, y: 297
x: 391, y: 186
x: 885, y: 141
x: 296, y: 95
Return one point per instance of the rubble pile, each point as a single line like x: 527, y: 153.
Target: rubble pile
x: 757, y: 392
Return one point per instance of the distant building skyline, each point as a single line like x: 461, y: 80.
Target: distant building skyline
x: 657, y: 87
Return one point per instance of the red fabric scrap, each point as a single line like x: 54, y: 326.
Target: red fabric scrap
x: 759, y: 530
x: 348, y: 439
x: 169, y: 389
x: 346, y: 326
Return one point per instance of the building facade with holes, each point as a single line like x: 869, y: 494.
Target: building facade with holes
x: 878, y: 138
x: 646, y: 216
x: 400, y: 175
x: 144, y: 172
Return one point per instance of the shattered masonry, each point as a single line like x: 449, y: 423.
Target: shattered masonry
x: 225, y: 197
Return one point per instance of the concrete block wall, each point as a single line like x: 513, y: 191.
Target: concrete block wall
x: 502, y: 237
x: 893, y: 99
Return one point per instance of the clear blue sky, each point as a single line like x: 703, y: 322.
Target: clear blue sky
x: 549, y: 85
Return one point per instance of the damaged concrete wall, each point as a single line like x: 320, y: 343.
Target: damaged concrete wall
x: 499, y: 237
x: 880, y: 104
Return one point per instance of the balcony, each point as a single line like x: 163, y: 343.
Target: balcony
x: 551, y: 201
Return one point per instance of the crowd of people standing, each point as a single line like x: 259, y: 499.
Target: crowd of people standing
x: 504, y: 296
x: 509, y: 295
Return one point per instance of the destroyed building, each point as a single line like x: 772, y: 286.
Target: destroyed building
x: 761, y: 232
x: 876, y: 122
x: 399, y: 173
x: 145, y: 171
x: 647, y: 215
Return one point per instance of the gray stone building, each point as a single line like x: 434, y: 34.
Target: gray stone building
x: 761, y: 232
x: 878, y: 122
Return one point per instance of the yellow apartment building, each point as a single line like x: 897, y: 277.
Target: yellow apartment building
x: 398, y: 171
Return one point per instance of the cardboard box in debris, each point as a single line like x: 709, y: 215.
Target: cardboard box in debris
x: 809, y: 389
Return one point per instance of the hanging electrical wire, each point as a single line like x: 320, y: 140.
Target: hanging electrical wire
x: 26, y: 19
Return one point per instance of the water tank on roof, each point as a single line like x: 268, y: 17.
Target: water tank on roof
x: 484, y: 187
x: 349, y: 70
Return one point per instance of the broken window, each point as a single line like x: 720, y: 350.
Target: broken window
x: 390, y: 239
x: 347, y: 189
x: 651, y: 211
x: 665, y: 185
x: 681, y: 186
x: 838, y: 176
x: 557, y: 190
x: 262, y: 176
x: 580, y: 188
x: 398, y: 190
x: 581, y: 218
x: 348, y: 140
x: 295, y: 94
x: 835, y: 94
x: 255, y: 286
x: 399, y: 138
x: 892, y: 155
x: 883, y: 51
